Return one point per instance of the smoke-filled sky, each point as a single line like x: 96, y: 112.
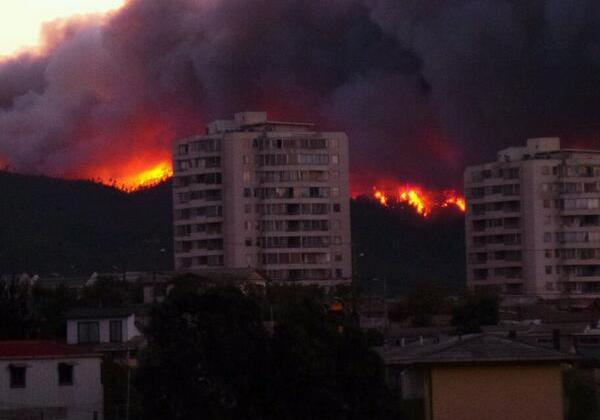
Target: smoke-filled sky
x: 423, y: 87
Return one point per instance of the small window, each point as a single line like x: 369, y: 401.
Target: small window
x: 337, y: 208
x: 88, y: 332
x: 116, y: 331
x: 65, y: 374
x: 247, y: 192
x: 335, y: 191
x: 248, y: 241
x: 17, y: 376
x: 548, y: 269
x: 335, y: 159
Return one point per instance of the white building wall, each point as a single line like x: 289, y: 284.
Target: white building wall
x: 81, y: 400
x: 128, y: 327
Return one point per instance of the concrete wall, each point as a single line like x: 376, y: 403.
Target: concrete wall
x: 128, y: 325
x: 42, y: 393
x: 497, y: 393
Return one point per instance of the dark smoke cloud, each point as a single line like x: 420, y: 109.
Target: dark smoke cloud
x: 422, y: 87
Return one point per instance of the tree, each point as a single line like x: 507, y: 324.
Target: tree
x: 209, y: 356
x: 16, y: 315
x: 49, y: 306
x: 475, y: 310
x: 425, y: 301
x: 110, y: 292
x: 206, y: 358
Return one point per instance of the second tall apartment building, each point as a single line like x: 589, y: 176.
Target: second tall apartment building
x: 533, y: 221
x: 264, y: 194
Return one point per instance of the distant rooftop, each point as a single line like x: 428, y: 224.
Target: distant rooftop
x: 537, y: 148
x: 476, y: 348
x: 31, y: 349
x: 251, y: 120
x: 98, y: 313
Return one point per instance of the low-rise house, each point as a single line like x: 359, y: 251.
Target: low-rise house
x: 479, y: 376
x: 105, y: 329
x: 49, y: 380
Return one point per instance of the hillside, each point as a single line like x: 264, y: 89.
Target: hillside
x: 50, y: 225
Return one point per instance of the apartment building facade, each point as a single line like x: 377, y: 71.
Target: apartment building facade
x: 533, y: 221
x: 268, y: 195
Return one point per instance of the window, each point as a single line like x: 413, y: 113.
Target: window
x: 548, y: 269
x: 116, y: 331
x: 65, y: 374
x: 17, y: 376
x: 547, y: 237
x: 337, y: 207
x: 335, y: 159
x: 88, y: 332
x: 248, y: 242
x: 247, y: 208
x: 335, y: 191
x: 247, y: 192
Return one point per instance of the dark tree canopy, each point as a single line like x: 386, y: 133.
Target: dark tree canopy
x: 209, y: 356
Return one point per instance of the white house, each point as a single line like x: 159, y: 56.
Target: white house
x: 98, y: 326
x: 49, y: 380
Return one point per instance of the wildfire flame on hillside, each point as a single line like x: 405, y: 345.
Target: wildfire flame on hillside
x: 133, y: 176
x: 422, y: 200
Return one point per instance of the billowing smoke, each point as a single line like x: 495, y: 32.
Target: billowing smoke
x: 422, y: 87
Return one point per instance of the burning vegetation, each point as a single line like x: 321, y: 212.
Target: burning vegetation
x: 423, y: 201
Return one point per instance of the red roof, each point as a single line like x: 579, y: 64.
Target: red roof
x: 25, y: 349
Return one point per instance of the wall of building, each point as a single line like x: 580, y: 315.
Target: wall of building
x: 554, y: 221
x: 128, y: 327
x: 268, y: 171
x: 42, y: 393
x: 515, y: 392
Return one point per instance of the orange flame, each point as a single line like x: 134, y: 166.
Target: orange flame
x: 421, y: 200
x: 147, y: 178
x: 381, y: 197
x: 456, y: 200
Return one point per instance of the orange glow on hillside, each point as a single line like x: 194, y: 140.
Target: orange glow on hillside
x: 423, y: 201
x: 381, y: 197
x: 146, y: 178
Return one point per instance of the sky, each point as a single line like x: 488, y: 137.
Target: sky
x: 21, y: 20
x: 423, y: 88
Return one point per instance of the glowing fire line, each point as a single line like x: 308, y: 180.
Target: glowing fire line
x: 423, y: 201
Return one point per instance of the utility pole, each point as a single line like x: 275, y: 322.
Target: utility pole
x: 128, y: 387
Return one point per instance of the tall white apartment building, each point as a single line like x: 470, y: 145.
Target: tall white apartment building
x: 533, y: 221
x: 263, y: 194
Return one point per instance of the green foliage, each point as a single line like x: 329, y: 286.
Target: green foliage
x: 111, y: 292
x: 49, y: 306
x: 475, y: 310
x: 579, y: 390
x: 16, y: 315
x: 425, y: 301
x: 209, y: 356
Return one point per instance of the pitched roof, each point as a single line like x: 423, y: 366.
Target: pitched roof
x: 476, y: 348
x: 33, y: 349
x: 98, y: 313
